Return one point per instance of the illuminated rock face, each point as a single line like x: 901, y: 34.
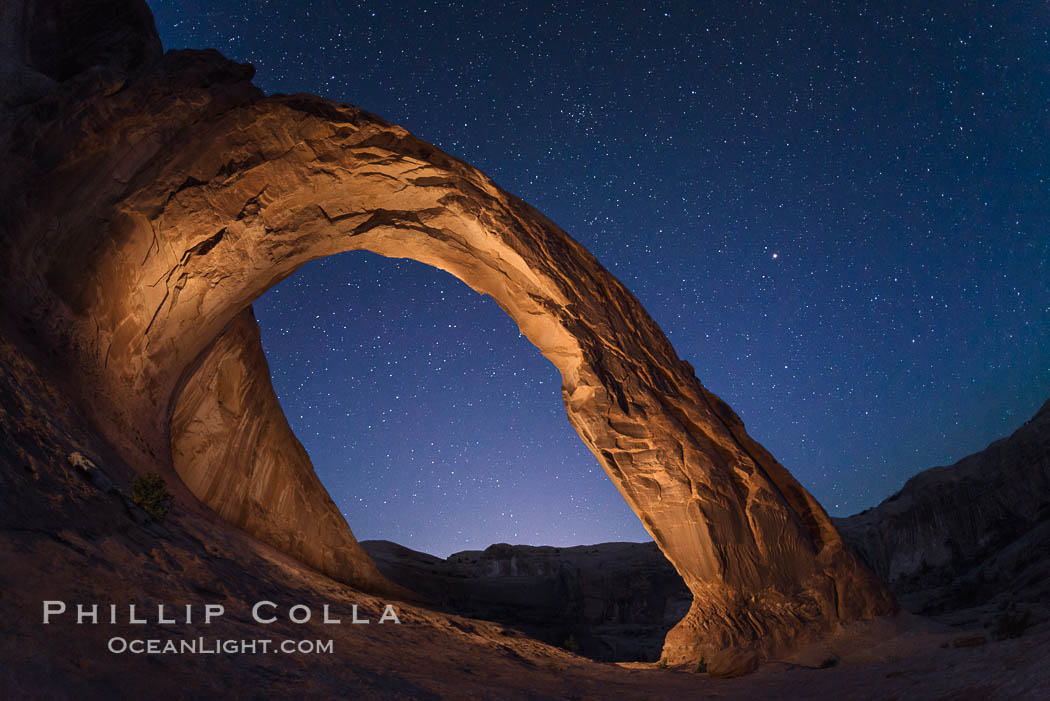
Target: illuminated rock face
x: 233, y: 448
x: 152, y: 201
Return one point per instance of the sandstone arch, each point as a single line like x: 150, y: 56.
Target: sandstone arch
x: 189, y: 194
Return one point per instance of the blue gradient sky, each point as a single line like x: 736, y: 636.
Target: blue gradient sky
x: 838, y: 212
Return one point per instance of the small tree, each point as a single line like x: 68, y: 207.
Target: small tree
x: 150, y: 492
x: 1012, y: 625
x: 571, y: 645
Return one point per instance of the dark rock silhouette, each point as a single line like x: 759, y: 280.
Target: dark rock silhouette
x: 969, y: 534
x: 615, y: 600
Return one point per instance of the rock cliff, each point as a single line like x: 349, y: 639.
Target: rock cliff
x: 616, y: 601
x: 966, y: 534
x: 150, y: 198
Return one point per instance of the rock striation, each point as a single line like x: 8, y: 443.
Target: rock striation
x: 228, y: 416
x: 150, y: 198
x: 966, y: 534
x: 615, y: 601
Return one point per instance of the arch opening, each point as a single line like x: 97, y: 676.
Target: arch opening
x: 437, y: 430
x: 418, y: 401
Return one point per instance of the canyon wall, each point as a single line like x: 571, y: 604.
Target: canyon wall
x: 968, y: 533
x: 610, y: 601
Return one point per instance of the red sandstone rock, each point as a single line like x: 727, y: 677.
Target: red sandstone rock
x: 150, y: 201
x: 232, y: 446
x: 732, y: 662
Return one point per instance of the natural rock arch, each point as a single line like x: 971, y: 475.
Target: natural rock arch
x: 189, y: 194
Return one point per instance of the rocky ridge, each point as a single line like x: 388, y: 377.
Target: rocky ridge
x: 970, y: 534
x: 610, y: 601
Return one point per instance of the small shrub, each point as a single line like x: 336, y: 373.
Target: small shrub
x: 150, y: 492
x: 828, y: 663
x: 1012, y: 625
x: 702, y: 667
x: 662, y: 664
x: 571, y: 645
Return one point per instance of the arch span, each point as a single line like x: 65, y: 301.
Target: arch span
x: 213, y: 196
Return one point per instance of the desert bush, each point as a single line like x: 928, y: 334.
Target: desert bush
x: 1012, y: 625
x: 150, y: 492
x: 701, y: 668
x: 571, y: 645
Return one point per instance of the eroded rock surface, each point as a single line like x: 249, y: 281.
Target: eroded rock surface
x: 616, y: 601
x: 232, y: 446
x: 149, y: 200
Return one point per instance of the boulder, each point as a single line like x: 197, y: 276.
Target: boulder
x: 732, y: 662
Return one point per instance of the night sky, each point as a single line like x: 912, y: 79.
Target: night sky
x: 840, y: 215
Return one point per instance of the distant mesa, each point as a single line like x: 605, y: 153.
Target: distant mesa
x: 615, y: 601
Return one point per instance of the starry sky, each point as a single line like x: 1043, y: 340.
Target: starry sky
x: 838, y: 212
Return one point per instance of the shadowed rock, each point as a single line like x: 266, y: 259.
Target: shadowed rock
x: 149, y: 201
x: 970, y: 533
x: 616, y: 601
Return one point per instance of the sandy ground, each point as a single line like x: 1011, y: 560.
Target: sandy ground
x: 429, y: 655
